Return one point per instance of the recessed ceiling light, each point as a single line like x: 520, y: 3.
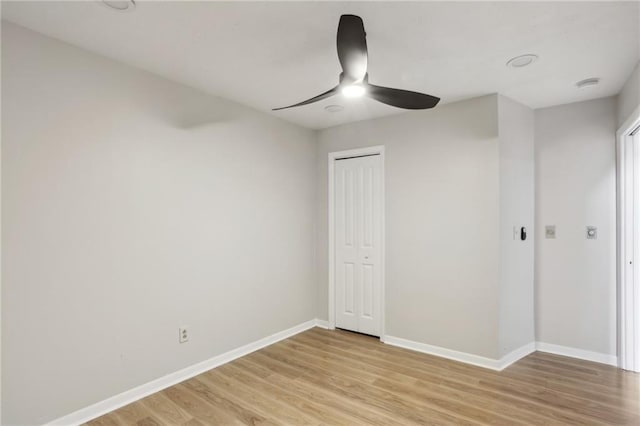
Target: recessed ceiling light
x: 588, y: 82
x: 333, y: 108
x: 120, y: 5
x: 522, y: 60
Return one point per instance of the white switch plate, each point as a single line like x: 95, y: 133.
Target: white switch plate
x: 550, y: 231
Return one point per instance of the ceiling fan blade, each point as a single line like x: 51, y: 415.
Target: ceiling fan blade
x: 401, y: 98
x: 352, y: 48
x: 320, y: 97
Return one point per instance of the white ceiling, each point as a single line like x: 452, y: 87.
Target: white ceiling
x: 267, y: 54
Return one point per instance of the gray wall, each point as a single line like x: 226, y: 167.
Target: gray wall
x: 629, y: 97
x: 442, y: 222
x: 575, y: 187
x: 515, y: 129
x: 132, y: 205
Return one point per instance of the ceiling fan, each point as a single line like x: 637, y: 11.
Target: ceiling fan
x: 354, y: 79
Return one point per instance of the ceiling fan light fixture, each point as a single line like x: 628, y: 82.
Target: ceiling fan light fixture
x: 120, y: 5
x: 353, y: 90
x: 351, y: 43
x: 522, y: 60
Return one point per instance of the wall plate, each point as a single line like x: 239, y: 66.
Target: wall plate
x: 550, y: 231
x: 183, y: 337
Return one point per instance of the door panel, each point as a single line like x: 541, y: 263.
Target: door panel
x: 367, y: 291
x: 358, y: 230
x: 346, y: 248
x: 349, y: 289
x: 349, y: 208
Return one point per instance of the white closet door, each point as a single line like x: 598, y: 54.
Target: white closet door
x: 358, y: 251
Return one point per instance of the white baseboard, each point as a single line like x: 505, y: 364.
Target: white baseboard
x: 517, y: 354
x: 477, y: 360
x: 507, y: 360
x: 322, y: 324
x: 577, y: 353
x: 103, y: 407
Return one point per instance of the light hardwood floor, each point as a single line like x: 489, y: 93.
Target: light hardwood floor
x: 343, y: 378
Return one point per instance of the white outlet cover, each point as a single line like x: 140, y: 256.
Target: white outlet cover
x: 183, y: 334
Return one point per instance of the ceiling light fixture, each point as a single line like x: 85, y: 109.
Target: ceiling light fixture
x: 593, y: 81
x: 351, y: 42
x: 353, y: 90
x: 333, y: 108
x: 120, y: 5
x: 522, y: 60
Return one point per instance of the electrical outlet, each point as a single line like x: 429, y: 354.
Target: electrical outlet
x: 184, y: 334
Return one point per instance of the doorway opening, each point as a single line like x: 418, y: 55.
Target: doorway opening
x: 356, y: 240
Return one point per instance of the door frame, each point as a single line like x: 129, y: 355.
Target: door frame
x: 628, y: 300
x: 333, y: 156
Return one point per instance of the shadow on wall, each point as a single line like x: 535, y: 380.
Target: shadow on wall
x: 190, y: 111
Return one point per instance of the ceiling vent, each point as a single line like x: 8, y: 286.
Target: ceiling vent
x: 120, y: 5
x: 593, y: 81
x: 333, y: 108
x: 522, y: 60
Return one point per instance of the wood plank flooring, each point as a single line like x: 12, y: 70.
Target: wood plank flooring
x: 342, y: 378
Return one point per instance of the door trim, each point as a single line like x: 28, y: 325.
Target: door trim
x: 628, y: 300
x: 333, y: 156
